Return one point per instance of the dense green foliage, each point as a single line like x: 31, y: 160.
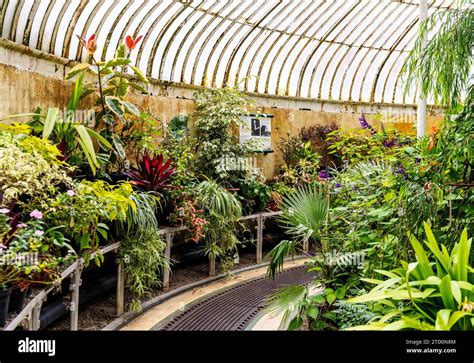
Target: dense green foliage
x: 217, y: 122
x: 434, y: 293
x: 443, y: 66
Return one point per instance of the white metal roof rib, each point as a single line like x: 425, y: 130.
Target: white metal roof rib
x: 349, y: 50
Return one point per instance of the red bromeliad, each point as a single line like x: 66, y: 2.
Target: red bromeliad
x: 152, y: 173
x: 132, y: 43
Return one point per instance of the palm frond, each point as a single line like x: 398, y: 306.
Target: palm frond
x: 287, y: 301
x: 304, y: 212
x: 277, y: 256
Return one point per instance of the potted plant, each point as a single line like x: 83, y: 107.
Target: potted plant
x: 8, y: 276
x: 18, y: 296
x: 5, y: 293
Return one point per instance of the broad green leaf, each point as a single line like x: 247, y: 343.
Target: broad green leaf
x: 87, y: 146
x: 455, y: 316
x: 109, y: 77
x: 295, y: 323
x: 442, y: 319
x: 131, y: 107
x: 432, y: 280
x: 113, y: 104
x: 331, y: 298
x: 81, y: 67
x: 447, y: 293
x: 313, y: 312
x: 386, y: 284
x: 461, y: 258
x: 318, y: 299
x: 122, y: 89
x: 456, y: 290
x: 433, y: 246
x: 421, y: 257
x: 118, y: 146
x: 396, y: 295
x: 387, y: 273
x: 90, y: 160
x: 103, y: 141
x: 138, y: 87
x: 466, y: 285
x: 76, y: 96
x: 389, y: 316
x: 139, y: 74
x: 84, y: 241
x: 117, y: 62
x: 397, y: 325
x: 49, y: 122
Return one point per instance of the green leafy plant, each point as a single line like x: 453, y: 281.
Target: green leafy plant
x: 217, y: 116
x: 138, y: 134
x: 312, y: 303
x: 304, y: 218
x: 143, y: 261
x: 34, y: 253
x: 87, y: 210
x: 434, y: 293
x: 29, y: 169
x: 178, y: 126
x: 254, y: 194
x: 443, y: 65
x: 142, y: 247
x: 317, y: 136
x: 113, y: 112
x: 221, y: 211
x: 74, y: 140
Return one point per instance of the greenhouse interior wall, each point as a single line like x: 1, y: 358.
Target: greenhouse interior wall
x: 31, y: 79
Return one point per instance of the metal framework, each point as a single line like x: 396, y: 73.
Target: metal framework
x: 349, y: 50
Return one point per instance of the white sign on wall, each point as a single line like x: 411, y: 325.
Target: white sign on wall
x: 258, y: 127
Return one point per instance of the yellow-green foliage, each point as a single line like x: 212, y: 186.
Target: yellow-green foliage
x: 15, y: 128
x: 29, y: 168
x: 115, y: 199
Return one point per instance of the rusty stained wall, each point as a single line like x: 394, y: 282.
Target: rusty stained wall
x: 23, y: 90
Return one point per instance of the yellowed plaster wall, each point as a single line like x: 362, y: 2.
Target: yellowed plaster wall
x: 22, y: 91
x: 289, y: 122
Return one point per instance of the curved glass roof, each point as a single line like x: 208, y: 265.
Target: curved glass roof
x: 349, y: 50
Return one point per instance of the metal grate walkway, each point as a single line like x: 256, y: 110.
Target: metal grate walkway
x: 234, y: 308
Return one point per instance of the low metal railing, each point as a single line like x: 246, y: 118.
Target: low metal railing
x: 29, y: 317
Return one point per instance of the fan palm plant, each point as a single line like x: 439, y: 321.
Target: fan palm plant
x: 305, y: 213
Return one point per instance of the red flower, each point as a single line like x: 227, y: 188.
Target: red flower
x: 132, y: 43
x: 90, y: 44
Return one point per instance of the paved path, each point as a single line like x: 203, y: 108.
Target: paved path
x: 228, y: 304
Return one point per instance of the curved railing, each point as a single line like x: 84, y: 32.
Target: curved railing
x: 29, y: 317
